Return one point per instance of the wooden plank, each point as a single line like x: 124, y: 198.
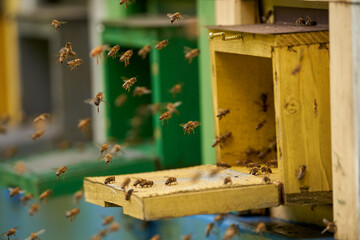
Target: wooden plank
x: 345, y: 116
x: 303, y: 116
x: 232, y: 12
x: 208, y: 195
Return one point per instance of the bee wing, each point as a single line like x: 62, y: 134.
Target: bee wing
x: 10, y: 189
x: 90, y: 100
x: 182, y: 124
x: 40, y: 232
x: 325, y: 221
x: 176, y: 104
x: 54, y: 169
x: 124, y: 78
x: 187, y: 49
x: 27, y: 238
x: 62, y: 22
x: 169, y: 15
x: 155, y: 42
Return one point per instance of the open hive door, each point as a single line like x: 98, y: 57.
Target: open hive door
x: 206, y: 195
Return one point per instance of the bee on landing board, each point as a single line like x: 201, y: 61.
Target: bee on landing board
x: 144, y: 51
x: 160, y: 45
x: 171, y: 181
x: 34, y: 208
x: 73, y: 64
x: 99, y: 98
x: 45, y: 195
x: 128, y: 83
x: 98, y: 51
x: 223, y: 165
x: 110, y: 179
x: 174, y: 17
x: 214, y: 171
x: 191, y: 53
x: 209, y: 227
x: 138, y: 182
x: 227, y: 180
x: 266, y: 169
x: 177, y: 88
x: 191, y: 125
x: 107, y: 220
x: 126, y: 57
x: 60, y: 171
x: 11, y: 232
x: 125, y: 183
x: 254, y: 171
x: 128, y: 194
x: 35, y: 236
x: 222, y: 113
x: 57, y: 24
x: 146, y: 183
x: 139, y: 91
x: 113, y: 51
x: 71, y: 214
x: 266, y: 179
x: 15, y: 191
x: 300, y: 22
x: 26, y: 198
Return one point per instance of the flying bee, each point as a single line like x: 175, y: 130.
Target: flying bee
x: 227, y: 180
x: 222, y: 139
x: 63, y: 54
x: 139, y: 91
x: 98, y: 52
x: 128, y: 83
x: 99, y: 98
x: 74, y: 63
x: 160, y: 45
x: 128, y: 194
x: 104, y: 148
x: 113, y: 51
x: 191, y: 53
x: 300, y: 22
x: 15, y: 191
x: 172, y: 107
x: 156, y: 237
x: 102, y: 233
x: 147, y: 183
x: 117, y: 148
x: 78, y: 196
x: 57, y: 24
x: 263, y: 102
x: 69, y: 50
x: 196, y: 176
x: 177, y: 88
x: 219, y: 217
x: 254, y: 171
x: 126, y: 57
x: 35, y: 236
x: 20, y: 167
x: 187, y: 237
x: 165, y: 116
x: 107, y: 220
x: 191, y: 125
x: 83, y: 124
x: 110, y: 179
x: 125, y: 183
x: 63, y: 145
x: 208, y: 229
x: 45, y: 195
x: 222, y: 113
x: 34, y: 208
x: 126, y: 2
x: 330, y: 226
x: 138, y: 182
x: 26, y: 198
x: 10, y: 233
x: 223, y: 165
x: 144, y: 51
x: 260, y: 228
x: 108, y: 158
x: 174, y: 16
x: 260, y: 125
x: 60, y: 171
x: 120, y: 100
x: 266, y: 179
x: 231, y: 232
x: 171, y: 181
x: 71, y: 214
x: 214, y: 172
x: 39, y: 121
x: 114, y: 227
x: 300, y: 173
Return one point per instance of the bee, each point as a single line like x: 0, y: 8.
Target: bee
x: 263, y: 102
x: 69, y: 50
x: 250, y: 151
x: 260, y: 228
x: 273, y: 162
x: 71, y: 214
x: 109, y: 180
x: 196, y: 177
x: 128, y: 194
x: 300, y: 22
x: 139, y: 91
x: 177, y: 88
x: 57, y: 24
x: 104, y: 148
x: 301, y: 172
x: 231, y: 232
x: 45, y: 195
x: 114, y: 227
x: 34, y: 236
x: 222, y: 139
x: 208, y: 229
x: 156, y: 237
x: 187, y: 237
x: 174, y: 16
x: 214, y: 172
x: 165, y: 116
x: 227, y: 180
x: 265, y: 18
x: 60, y: 171
x: 102, y: 233
x: 144, y: 51
x: 125, y: 183
x: 10, y: 233
x: 146, y: 183
x: 84, y: 124
x: 171, y: 107
x: 34, y: 208
x: 262, y: 154
x: 191, y: 53
x: 117, y: 148
x: 99, y: 98
x: 260, y: 125
x: 113, y: 51
x: 138, y: 182
x: 10, y: 152
x: 266, y: 170
x: 222, y: 113
x: 108, y: 159
x: 37, y: 135
x: 252, y: 164
x: 120, y: 100
x: 63, y: 54
x: 78, y: 196
x: 128, y: 83
x: 124, y: 2
x: 191, y: 125
x: 266, y: 179
x: 254, y: 171
x: 242, y: 162
x: 126, y: 57
x: 74, y: 63
x: 310, y: 22
x: 330, y: 226
x: 20, y: 167
x: 223, y: 165
x: 98, y: 51
x: 160, y: 45
x: 15, y: 191
x: 107, y: 220
x: 39, y: 120
x: 28, y: 197
x: 219, y: 217
x: 171, y: 181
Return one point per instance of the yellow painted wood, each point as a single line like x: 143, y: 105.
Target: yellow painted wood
x: 232, y: 12
x: 3, y: 86
x: 208, y: 195
x: 303, y: 126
